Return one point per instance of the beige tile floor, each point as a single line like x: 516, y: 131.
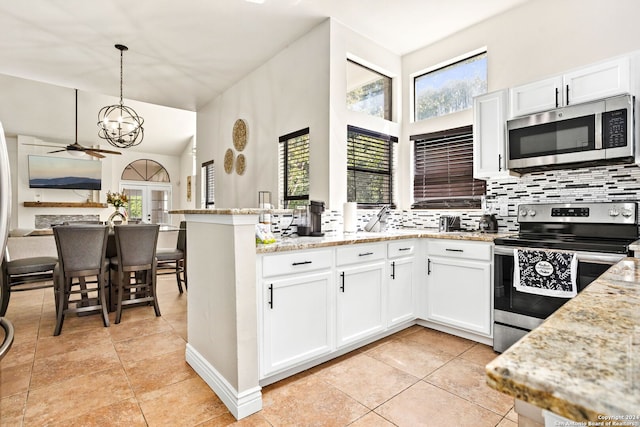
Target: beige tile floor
x: 134, y: 374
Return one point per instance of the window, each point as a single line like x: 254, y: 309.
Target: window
x: 208, y: 184
x: 368, y: 91
x: 145, y: 170
x: 450, y: 88
x: 370, y: 157
x: 443, y: 170
x: 294, y: 168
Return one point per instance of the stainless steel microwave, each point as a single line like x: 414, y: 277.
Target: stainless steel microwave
x: 598, y: 132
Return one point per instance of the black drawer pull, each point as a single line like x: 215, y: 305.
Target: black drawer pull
x: 404, y: 249
x: 454, y: 250
x: 301, y: 263
x: 365, y: 254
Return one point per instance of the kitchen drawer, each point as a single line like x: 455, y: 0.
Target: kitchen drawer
x: 352, y: 254
x: 295, y: 262
x: 460, y: 249
x: 401, y: 248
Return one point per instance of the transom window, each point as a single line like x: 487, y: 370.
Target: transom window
x: 443, y: 171
x: 370, y: 160
x: 450, y: 88
x: 145, y: 170
x: 294, y: 168
x: 368, y: 91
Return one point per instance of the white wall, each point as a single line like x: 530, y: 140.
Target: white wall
x: 538, y: 39
x: 302, y: 86
x: 112, y: 167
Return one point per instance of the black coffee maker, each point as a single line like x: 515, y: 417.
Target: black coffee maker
x: 488, y: 223
x: 316, y: 208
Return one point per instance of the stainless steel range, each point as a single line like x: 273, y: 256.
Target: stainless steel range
x: 598, y: 233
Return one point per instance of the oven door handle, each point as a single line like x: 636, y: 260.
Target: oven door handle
x: 593, y: 257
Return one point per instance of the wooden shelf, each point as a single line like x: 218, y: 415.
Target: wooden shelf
x: 64, y: 205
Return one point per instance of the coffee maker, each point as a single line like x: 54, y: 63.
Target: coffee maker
x: 316, y: 208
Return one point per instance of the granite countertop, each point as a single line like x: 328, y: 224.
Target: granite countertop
x: 338, y: 239
x: 583, y: 362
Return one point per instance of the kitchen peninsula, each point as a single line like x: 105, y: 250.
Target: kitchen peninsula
x: 229, y: 276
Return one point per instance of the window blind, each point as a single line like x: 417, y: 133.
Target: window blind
x: 294, y: 168
x: 209, y: 183
x: 369, y: 167
x: 443, y: 170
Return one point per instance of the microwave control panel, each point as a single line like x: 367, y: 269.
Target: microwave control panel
x: 614, y: 129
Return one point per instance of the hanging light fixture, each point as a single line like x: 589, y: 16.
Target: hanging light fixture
x: 120, y: 125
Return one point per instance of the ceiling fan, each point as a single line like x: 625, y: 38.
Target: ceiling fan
x: 76, y: 147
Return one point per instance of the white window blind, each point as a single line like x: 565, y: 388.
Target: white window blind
x: 208, y: 173
x: 294, y: 168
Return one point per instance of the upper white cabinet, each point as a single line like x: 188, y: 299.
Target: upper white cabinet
x: 596, y: 81
x: 489, y: 144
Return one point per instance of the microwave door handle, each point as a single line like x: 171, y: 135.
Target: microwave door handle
x: 598, y: 131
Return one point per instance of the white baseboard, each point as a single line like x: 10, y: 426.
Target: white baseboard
x: 240, y: 405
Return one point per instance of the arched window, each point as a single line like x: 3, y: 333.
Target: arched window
x: 145, y: 170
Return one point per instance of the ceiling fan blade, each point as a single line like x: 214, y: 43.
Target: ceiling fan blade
x: 42, y: 145
x: 94, y: 154
x: 57, y: 151
x: 101, y: 150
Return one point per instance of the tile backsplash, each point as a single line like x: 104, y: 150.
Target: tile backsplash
x: 595, y: 184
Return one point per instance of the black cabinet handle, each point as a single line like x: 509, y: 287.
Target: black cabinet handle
x: 454, y: 250
x: 271, y: 296
x: 428, y: 266
x: 499, y: 162
x: 365, y: 254
x: 301, y: 263
x: 393, y: 270
x: 557, y: 97
x: 567, y: 95
x: 342, y: 279
x: 404, y: 249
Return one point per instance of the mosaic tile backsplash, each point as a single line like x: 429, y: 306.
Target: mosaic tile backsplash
x: 595, y: 184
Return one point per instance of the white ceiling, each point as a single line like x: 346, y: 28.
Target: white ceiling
x: 182, y: 54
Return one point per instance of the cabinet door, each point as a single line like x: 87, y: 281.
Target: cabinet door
x: 297, y: 320
x: 538, y: 96
x: 459, y: 293
x: 597, y: 81
x: 359, y: 308
x: 489, y: 160
x: 401, y: 290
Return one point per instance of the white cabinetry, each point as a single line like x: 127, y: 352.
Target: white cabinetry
x: 597, y: 81
x: 459, y: 284
x: 297, y: 309
x: 360, y: 290
x: 489, y: 143
x: 402, y: 284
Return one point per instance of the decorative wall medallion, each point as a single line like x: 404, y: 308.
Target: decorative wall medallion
x: 228, y: 160
x: 240, y: 164
x: 240, y: 134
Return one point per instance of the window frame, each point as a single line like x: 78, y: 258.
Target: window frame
x: 387, y: 113
x: 438, y: 67
x: 284, y: 170
x: 354, y: 171
x: 476, y: 188
x: 208, y: 184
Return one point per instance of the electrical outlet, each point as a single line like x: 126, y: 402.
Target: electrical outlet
x: 503, y: 209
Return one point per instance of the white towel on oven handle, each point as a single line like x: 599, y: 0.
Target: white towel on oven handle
x: 545, y: 272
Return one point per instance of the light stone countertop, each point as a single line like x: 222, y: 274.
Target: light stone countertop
x: 338, y: 239
x: 583, y: 362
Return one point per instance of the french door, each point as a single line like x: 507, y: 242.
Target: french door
x: 149, y: 203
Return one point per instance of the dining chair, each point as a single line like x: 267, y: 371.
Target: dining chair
x: 7, y: 341
x: 172, y: 260
x: 133, y: 269
x: 82, y: 271
x: 24, y: 274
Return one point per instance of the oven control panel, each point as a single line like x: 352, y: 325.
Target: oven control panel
x: 603, y: 212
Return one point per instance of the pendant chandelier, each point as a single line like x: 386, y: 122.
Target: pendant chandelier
x: 120, y: 125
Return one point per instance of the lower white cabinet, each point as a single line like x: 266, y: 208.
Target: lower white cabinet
x: 402, y: 282
x: 459, y: 285
x: 360, y: 292
x: 297, y: 321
